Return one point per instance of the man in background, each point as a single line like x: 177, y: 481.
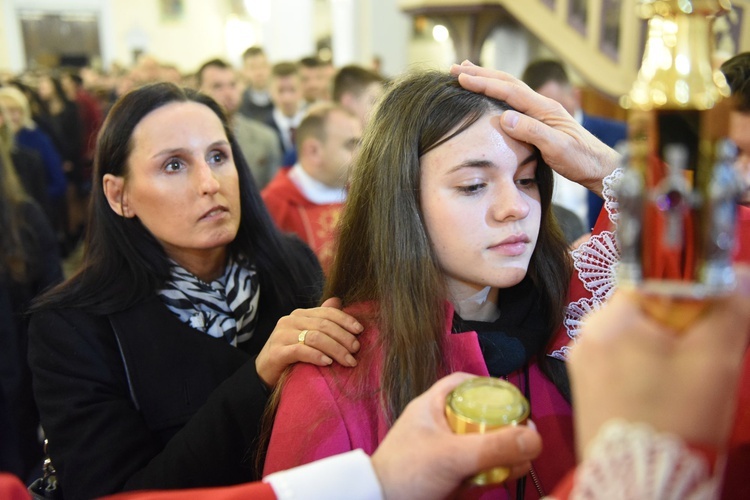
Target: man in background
x: 549, y: 78
x: 312, y: 75
x: 737, y: 72
x: 288, y: 107
x: 357, y: 89
x: 258, y: 142
x: 307, y: 199
x: 256, y: 99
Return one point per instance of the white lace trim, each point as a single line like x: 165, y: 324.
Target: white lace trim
x: 595, y: 262
x: 628, y: 461
x: 608, y: 193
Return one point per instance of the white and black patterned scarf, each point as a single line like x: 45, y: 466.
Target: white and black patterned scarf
x: 225, y: 308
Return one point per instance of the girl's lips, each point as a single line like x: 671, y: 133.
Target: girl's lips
x: 510, y: 249
x: 512, y: 246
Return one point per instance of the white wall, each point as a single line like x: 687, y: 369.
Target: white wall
x: 388, y: 35
x: 197, y: 36
x: 207, y: 29
x: 507, y: 49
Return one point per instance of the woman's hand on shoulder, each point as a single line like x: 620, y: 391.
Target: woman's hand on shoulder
x: 320, y: 336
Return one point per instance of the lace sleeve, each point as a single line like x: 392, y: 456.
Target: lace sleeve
x: 595, y: 263
x: 629, y: 460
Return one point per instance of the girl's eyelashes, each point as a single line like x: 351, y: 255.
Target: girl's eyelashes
x: 528, y: 182
x: 471, y: 189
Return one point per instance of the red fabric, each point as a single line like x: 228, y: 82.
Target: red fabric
x: 329, y: 410
x: 565, y: 487
x: 248, y: 491
x: 742, y: 245
x: 11, y: 488
x: 293, y: 213
x: 736, y: 484
x: 91, y: 119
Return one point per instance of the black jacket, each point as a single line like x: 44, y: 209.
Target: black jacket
x: 139, y: 400
x: 19, y: 434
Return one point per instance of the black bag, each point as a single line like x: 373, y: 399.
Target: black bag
x: 46, y: 488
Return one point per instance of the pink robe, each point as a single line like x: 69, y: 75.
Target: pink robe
x: 323, y: 413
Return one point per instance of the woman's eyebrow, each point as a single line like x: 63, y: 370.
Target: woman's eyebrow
x: 472, y: 164
x: 169, y: 152
x: 177, y: 151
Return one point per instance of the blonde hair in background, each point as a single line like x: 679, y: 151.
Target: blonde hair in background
x: 13, y: 259
x: 20, y: 100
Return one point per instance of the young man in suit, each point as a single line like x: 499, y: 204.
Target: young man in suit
x: 258, y: 142
x: 549, y: 78
x: 256, y: 71
x: 288, y: 107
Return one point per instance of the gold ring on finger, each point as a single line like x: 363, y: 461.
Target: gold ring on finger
x: 302, y: 335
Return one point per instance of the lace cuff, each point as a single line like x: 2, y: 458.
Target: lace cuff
x: 629, y: 460
x: 595, y: 263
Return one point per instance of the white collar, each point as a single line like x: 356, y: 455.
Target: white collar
x: 284, y: 122
x: 578, y: 115
x: 259, y: 97
x: 313, y: 189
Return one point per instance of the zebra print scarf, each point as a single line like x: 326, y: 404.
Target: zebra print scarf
x: 225, y: 308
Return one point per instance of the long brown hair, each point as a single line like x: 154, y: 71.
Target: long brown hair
x: 13, y: 258
x: 384, y: 253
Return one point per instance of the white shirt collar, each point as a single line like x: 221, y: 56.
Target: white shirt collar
x: 313, y: 189
x: 578, y: 115
x: 285, y: 123
x: 259, y: 97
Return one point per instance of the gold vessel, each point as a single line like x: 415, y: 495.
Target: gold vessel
x: 483, y: 404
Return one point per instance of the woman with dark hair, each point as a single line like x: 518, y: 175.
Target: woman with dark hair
x: 29, y: 263
x: 447, y: 229
x: 64, y: 121
x: 66, y: 130
x: 151, y: 365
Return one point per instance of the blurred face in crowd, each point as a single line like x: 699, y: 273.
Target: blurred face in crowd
x: 181, y: 183
x: 286, y: 94
x: 222, y: 86
x: 314, y: 82
x: 14, y: 112
x: 739, y: 133
x: 481, y: 206
x: 562, y: 93
x: 69, y: 86
x: 256, y: 71
x: 334, y: 155
x: 46, y: 88
x: 361, y: 104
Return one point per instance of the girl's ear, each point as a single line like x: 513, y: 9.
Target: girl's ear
x: 114, y: 190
